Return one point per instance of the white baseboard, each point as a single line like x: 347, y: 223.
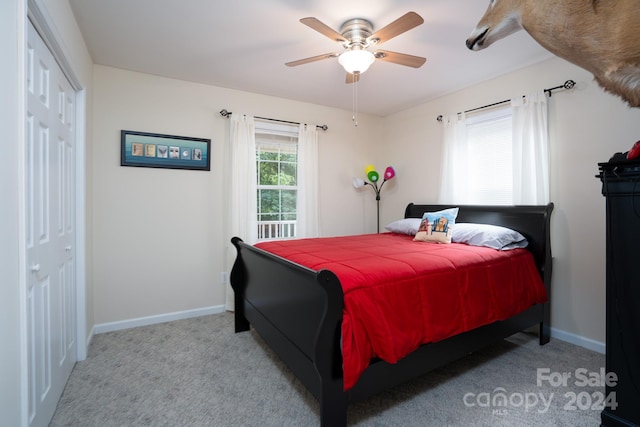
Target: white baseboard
x: 152, y: 320
x: 588, y: 343
x: 559, y: 334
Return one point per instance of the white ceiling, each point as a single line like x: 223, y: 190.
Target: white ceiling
x: 243, y: 44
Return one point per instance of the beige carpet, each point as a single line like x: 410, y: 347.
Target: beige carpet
x: 197, y: 372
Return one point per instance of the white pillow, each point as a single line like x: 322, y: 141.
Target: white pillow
x: 404, y: 226
x: 492, y: 236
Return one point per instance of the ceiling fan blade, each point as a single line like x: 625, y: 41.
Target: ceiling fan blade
x: 352, y: 78
x: 312, y: 59
x: 400, y: 58
x: 323, y: 29
x: 404, y: 23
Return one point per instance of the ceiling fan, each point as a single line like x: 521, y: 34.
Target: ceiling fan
x: 356, y: 37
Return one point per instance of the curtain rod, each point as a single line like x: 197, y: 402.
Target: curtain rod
x: 569, y: 84
x: 227, y: 114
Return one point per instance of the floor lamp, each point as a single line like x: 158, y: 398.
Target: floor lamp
x: 373, y: 177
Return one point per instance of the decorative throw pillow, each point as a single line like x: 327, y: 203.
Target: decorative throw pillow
x: 404, y: 226
x: 492, y: 236
x: 437, y: 226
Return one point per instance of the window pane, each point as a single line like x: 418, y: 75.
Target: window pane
x: 490, y: 179
x: 269, y: 201
x: 269, y: 217
x: 289, y: 201
x: 267, y: 155
x: 288, y: 157
x: 267, y: 173
x: 288, y: 174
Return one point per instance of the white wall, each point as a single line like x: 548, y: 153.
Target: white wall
x: 159, y: 242
x: 587, y: 126
x: 11, y: 42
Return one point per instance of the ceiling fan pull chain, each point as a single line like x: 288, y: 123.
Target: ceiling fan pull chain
x: 355, y: 102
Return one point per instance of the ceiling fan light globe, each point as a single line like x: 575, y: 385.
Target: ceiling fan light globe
x: 356, y: 61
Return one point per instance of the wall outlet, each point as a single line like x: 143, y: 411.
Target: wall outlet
x: 223, y: 278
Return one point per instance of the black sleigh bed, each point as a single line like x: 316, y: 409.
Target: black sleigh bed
x: 298, y: 312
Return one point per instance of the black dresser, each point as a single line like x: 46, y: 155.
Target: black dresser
x: 621, y: 187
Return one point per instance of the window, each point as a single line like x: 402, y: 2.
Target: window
x: 477, y: 166
x: 277, y: 186
x: 497, y: 156
x: 490, y: 165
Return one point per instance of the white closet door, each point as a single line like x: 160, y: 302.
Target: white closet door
x: 50, y: 229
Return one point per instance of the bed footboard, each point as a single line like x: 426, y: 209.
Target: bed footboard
x: 298, y: 312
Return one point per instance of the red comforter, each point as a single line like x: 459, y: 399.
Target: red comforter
x: 399, y: 294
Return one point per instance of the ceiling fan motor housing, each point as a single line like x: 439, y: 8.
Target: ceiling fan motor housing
x: 356, y: 32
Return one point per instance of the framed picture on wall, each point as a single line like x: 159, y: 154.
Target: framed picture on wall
x: 153, y: 150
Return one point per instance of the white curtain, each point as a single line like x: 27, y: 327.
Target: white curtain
x: 530, y: 149
x: 453, y: 182
x: 307, y: 224
x: 242, y: 186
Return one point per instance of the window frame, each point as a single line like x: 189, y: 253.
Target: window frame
x: 279, y: 135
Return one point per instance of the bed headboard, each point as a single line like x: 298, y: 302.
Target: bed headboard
x: 533, y: 222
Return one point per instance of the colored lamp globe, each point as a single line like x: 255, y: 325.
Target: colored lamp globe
x: 373, y: 176
x: 389, y: 173
x: 357, y: 183
x: 368, y: 169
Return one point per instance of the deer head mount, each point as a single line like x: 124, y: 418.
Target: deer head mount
x: 599, y: 36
